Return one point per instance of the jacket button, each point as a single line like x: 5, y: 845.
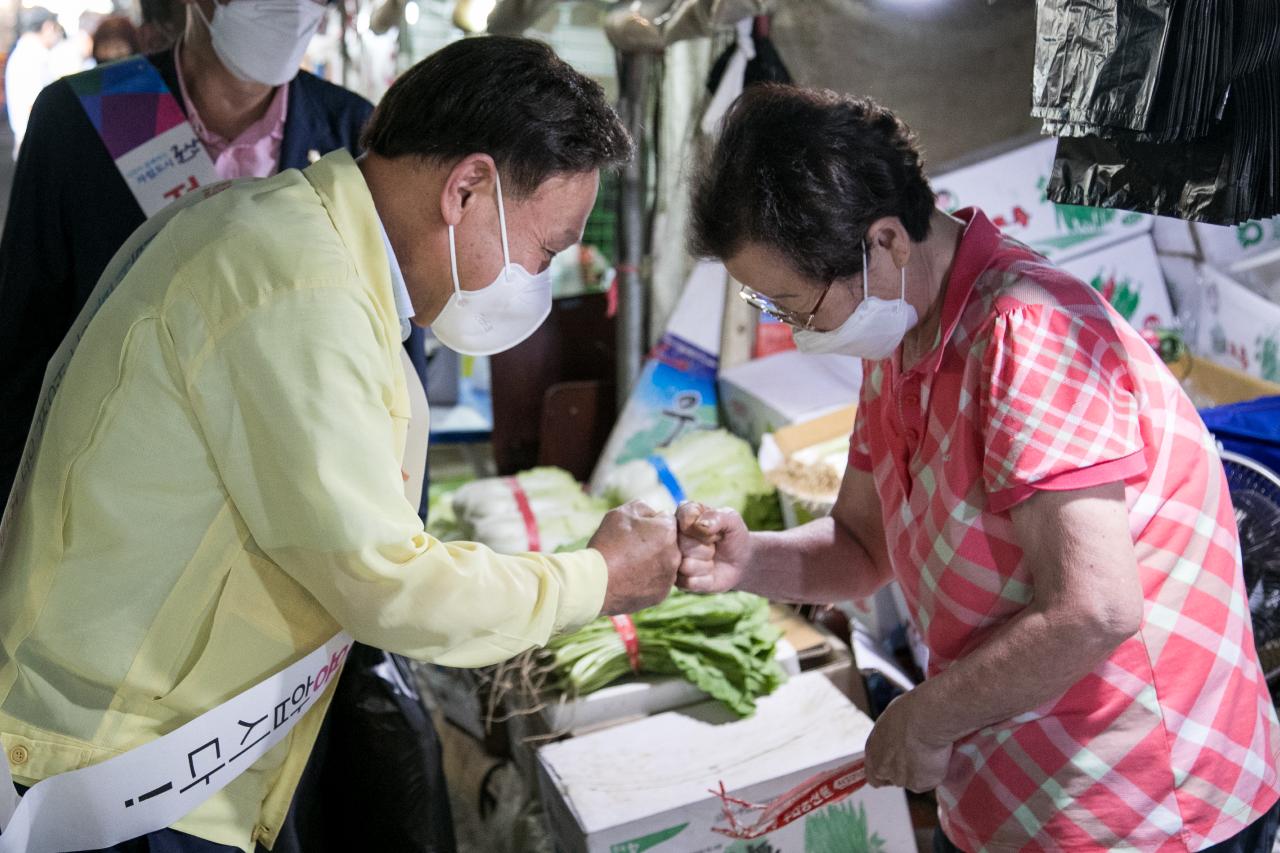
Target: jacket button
x: 18, y: 756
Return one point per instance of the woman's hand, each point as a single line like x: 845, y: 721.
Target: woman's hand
x: 900, y: 754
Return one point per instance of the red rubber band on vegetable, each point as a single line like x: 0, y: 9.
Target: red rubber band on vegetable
x: 627, y: 631
x: 526, y: 513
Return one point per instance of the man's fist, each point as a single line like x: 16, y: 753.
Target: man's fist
x: 639, y: 546
x: 715, y: 548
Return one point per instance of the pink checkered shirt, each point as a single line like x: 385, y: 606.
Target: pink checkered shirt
x: 1036, y: 383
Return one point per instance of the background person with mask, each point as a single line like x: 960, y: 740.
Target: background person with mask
x: 242, y: 498
x: 235, y: 75
x: 1031, y: 474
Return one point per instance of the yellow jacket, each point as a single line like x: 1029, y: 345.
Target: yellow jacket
x: 219, y: 490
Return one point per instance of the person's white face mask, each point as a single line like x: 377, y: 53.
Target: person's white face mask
x: 263, y: 41
x: 874, y: 329
x: 497, y: 317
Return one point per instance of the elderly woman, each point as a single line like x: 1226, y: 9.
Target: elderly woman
x: 1031, y: 475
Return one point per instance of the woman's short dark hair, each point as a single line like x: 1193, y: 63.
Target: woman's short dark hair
x: 805, y: 172
x: 510, y: 98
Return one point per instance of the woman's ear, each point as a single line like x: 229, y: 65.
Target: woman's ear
x: 889, y: 234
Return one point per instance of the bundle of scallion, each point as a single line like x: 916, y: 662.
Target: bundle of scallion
x: 723, y: 644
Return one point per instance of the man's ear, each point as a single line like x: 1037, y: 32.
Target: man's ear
x: 471, y: 177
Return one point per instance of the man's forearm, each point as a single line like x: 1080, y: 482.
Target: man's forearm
x: 1029, y: 661
x: 818, y: 563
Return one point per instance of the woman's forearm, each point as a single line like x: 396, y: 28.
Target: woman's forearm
x: 818, y: 563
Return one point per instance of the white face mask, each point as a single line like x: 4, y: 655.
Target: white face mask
x: 497, y: 317
x: 874, y: 329
x: 263, y: 41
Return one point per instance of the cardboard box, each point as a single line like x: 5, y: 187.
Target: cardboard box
x: 1210, y: 384
x: 1217, y: 245
x: 1010, y: 189
x: 769, y: 393
x: 1130, y: 277
x: 676, y: 390
x: 1238, y: 328
x: 646, y: 785
x: 804, y: 647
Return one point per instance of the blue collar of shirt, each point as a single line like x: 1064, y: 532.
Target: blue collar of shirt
x: 404, y: 308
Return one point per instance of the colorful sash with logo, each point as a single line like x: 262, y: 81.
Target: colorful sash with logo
x: 145, y: 132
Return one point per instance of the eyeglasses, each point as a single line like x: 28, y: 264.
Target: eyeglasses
x: 769, y: 308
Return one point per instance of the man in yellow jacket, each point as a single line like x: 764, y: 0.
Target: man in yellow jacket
x: 216, y: 489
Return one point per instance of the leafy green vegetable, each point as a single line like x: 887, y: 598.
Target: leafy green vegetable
x: 711, y: 466
x: 563, y: 513
x: 723, y: 644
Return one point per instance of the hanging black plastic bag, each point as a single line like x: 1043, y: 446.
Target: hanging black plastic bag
x: 1097, y: 61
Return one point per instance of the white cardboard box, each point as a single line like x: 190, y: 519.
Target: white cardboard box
x: 1238, y: 328
x: 676, y: 390
x: 1218, y: 245
x: 647, y: 785
x: 1129, y: 275
x: 764, y: 394
x: 1010, y: 189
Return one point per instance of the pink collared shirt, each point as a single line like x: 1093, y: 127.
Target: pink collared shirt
x: 255, y: 153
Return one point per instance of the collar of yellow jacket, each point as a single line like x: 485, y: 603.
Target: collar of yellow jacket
x: 338, y: 181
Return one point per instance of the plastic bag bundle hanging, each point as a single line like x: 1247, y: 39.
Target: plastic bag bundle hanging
x: 1184, y: 122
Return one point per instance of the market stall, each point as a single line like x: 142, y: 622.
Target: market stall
x: 737, y: 722
x: 616, y: 737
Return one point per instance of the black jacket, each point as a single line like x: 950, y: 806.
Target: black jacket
x: 70, y: 210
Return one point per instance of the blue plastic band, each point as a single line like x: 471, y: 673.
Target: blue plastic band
x: 667, y: 479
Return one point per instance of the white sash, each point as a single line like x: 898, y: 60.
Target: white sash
x: 155, y: 785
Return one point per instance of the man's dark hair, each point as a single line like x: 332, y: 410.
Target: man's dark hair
x: 805, y: 172
x: 510, y: 98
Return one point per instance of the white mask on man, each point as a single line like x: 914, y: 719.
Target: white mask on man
x: 497, y: 317
x: 874, y: 329
x: 263, y: 41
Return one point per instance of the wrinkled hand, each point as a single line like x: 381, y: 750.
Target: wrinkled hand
x: 715, y: 548
x: 899, y: 754
x: 639, y: 546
